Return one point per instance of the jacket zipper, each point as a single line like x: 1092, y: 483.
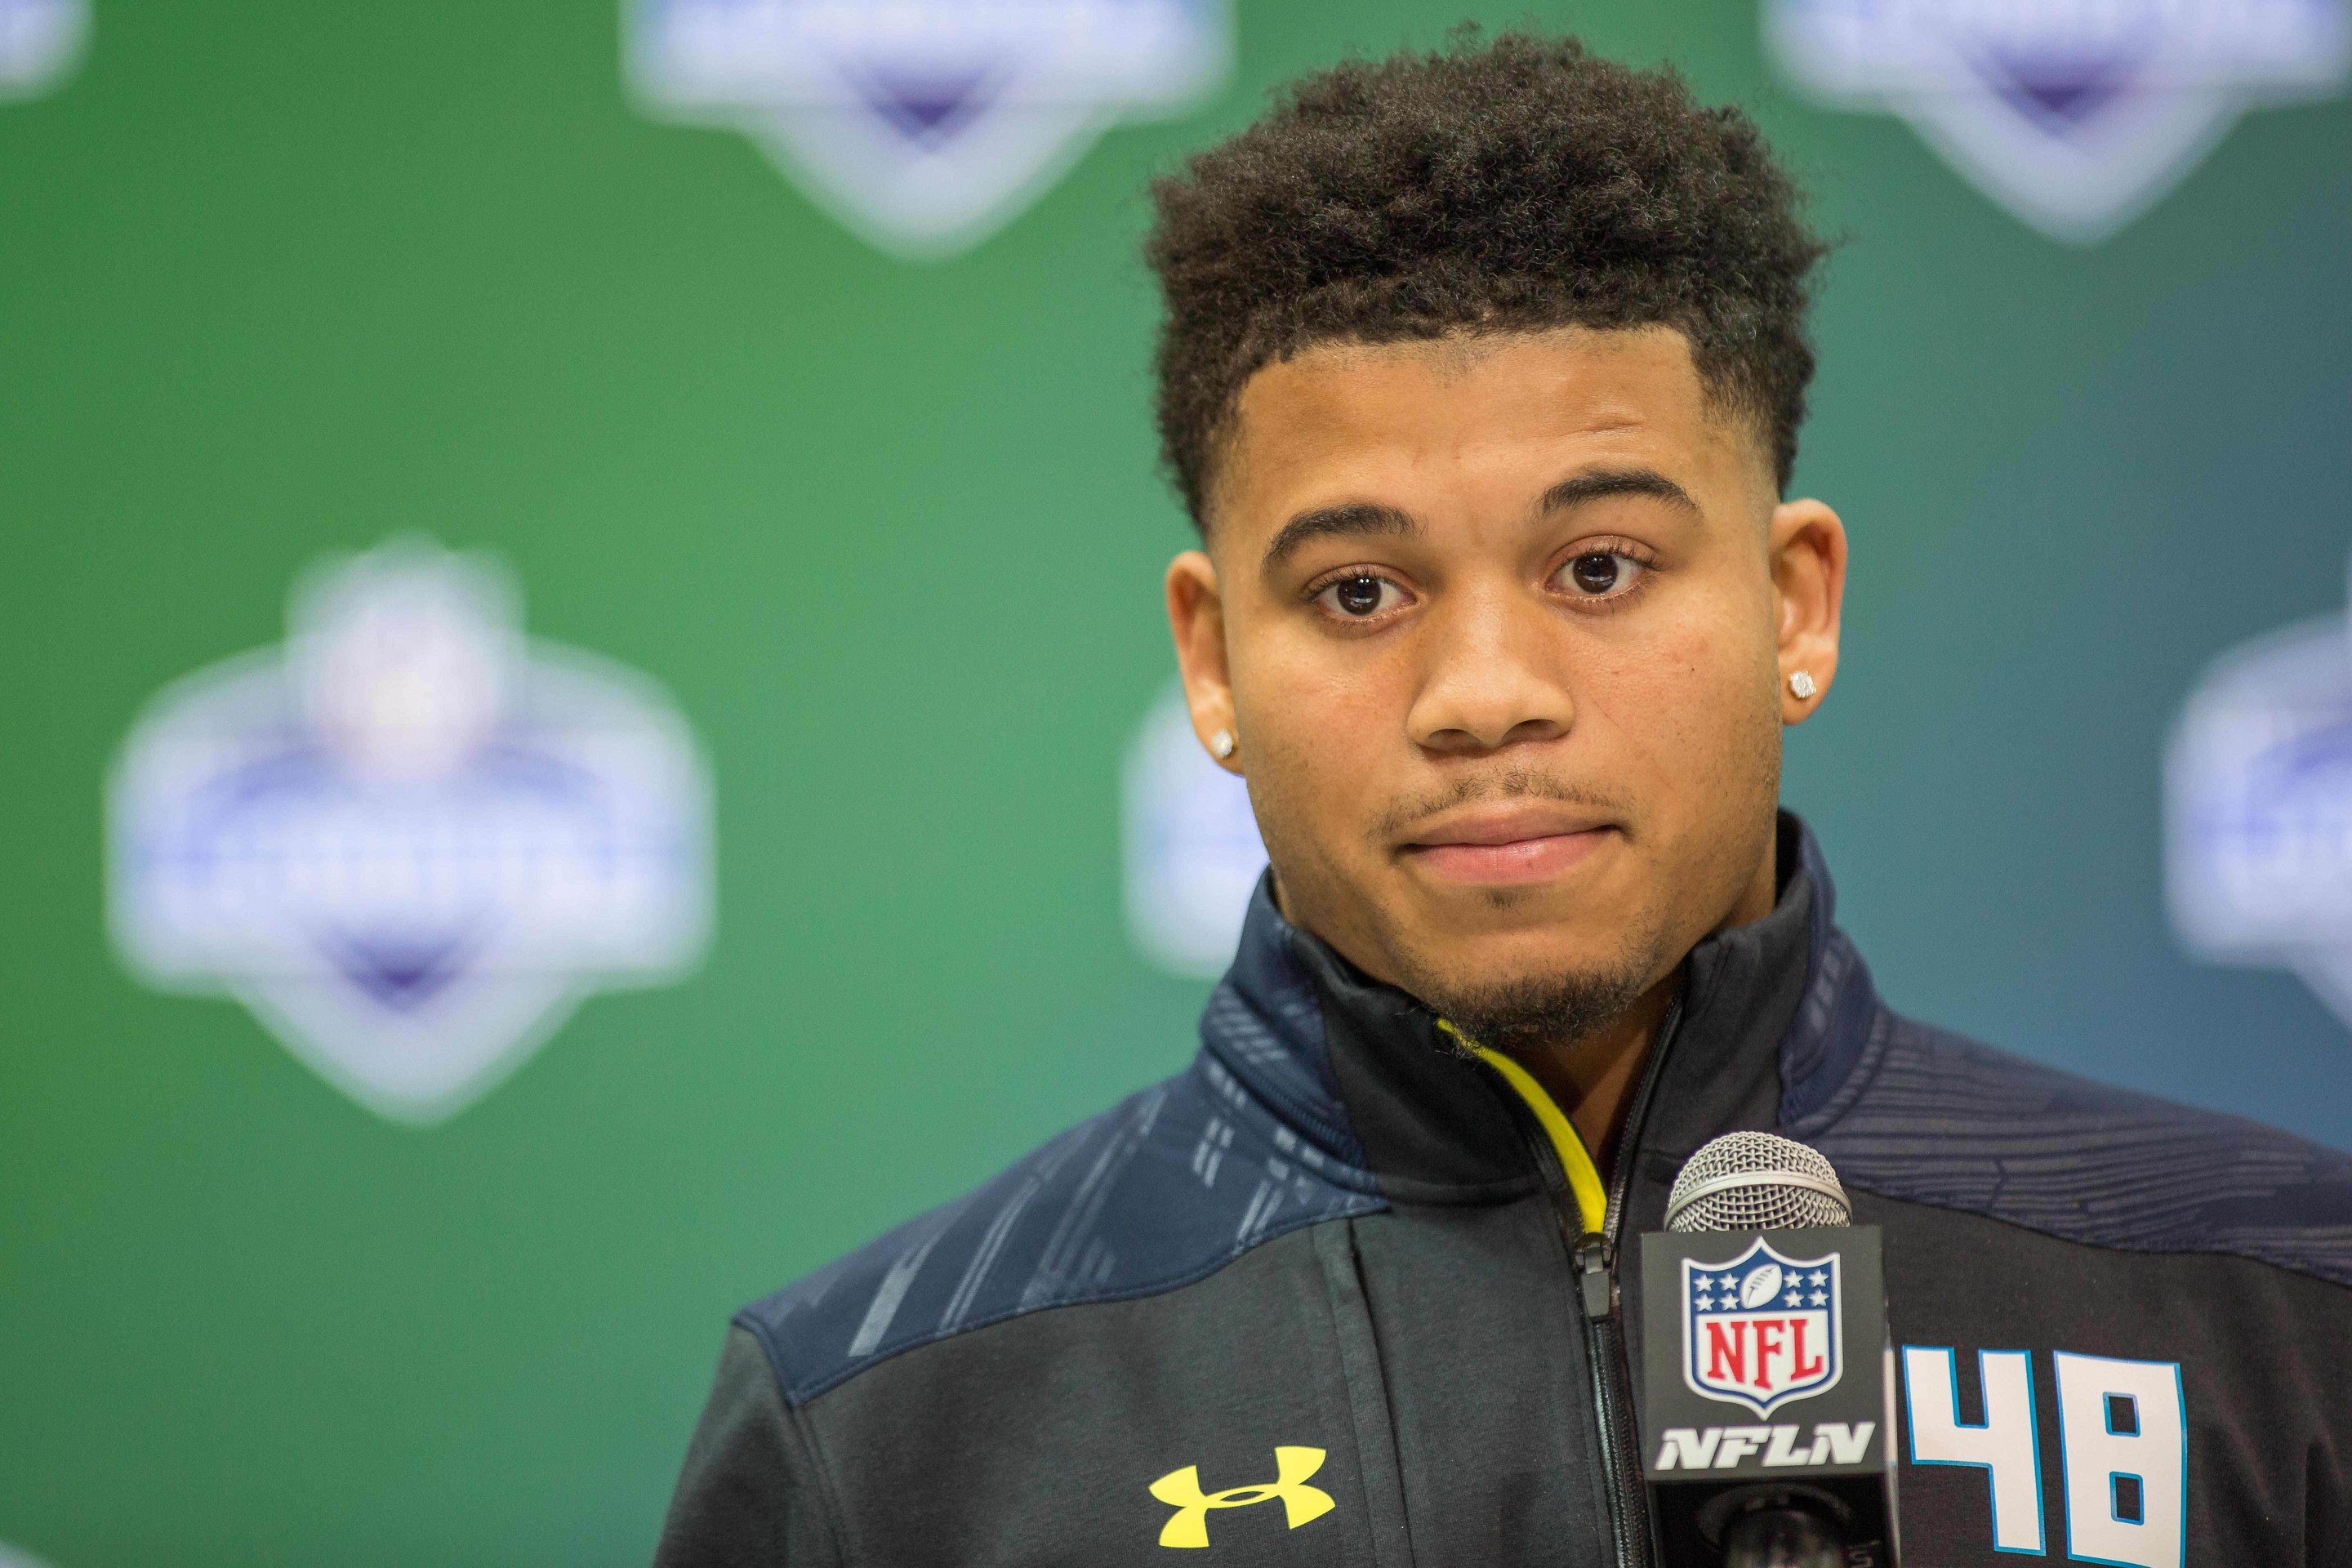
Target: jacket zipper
x: 1597, y: 1261
x: 1593, y: 1257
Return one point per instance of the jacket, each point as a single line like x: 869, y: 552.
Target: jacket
x: 1330, y: 1295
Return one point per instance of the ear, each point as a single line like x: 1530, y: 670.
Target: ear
x: 1196, y: 615
x: 1806, y: 546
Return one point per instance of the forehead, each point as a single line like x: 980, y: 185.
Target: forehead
x: 1495, y: 410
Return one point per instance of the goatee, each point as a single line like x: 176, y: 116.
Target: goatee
x: 1526, y: 1012
x: 1515, y: 1016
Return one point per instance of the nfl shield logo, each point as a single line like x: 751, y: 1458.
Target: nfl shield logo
x: 924, y: 125
x: 1762, y: 1329
x: 2076, y: 115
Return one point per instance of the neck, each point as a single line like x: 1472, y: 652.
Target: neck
x: 1592, y: 1078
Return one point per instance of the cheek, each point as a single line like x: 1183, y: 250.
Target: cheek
x: 1695, y: 705
x: 1315, y: 741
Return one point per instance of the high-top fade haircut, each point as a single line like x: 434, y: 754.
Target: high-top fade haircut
x: 1504, y: 186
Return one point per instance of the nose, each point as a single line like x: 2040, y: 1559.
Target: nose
x: 1493, y: 676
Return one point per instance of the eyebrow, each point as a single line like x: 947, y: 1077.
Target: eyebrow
x: 1355, y: 520
x: 1574, y: 492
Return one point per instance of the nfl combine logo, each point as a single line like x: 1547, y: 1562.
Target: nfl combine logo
x: 41, y: 42
x: 409, y: 840
x: 2258, y: 792
x: 924, y: 125
x: 1762, y: 1329
x: 2075, y: 114
x: 1193, y: 854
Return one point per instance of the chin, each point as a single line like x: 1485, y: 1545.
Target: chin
x: 1463, y: 938
x: 1506, y: 956
x: 1564, y: 998
x: 1562, y: 914
x: 1507, y: 963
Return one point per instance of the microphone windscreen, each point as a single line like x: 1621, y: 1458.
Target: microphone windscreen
x: 1756, y: 1180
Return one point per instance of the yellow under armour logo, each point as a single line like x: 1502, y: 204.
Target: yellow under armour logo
x: 1180, y: 1489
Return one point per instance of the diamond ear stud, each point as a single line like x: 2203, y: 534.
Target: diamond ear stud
x: 1799, y: 682
x: 1222, y: 742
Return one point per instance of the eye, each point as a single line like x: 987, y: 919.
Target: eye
x: 1360, y: 598
x: 1600, y: 575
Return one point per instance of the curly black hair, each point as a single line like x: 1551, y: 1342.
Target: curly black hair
x: 1511, y: 186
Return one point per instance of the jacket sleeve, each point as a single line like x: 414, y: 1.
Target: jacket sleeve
x: 751, y: 1492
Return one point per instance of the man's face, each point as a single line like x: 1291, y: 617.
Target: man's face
x: 1502, y: 626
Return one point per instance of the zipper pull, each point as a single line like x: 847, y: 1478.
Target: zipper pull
x: 1600, y: 1291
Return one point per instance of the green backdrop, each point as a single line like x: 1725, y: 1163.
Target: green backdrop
x: 280, y: 279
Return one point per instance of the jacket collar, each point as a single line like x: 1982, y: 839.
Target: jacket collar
x: 1772, y: 1018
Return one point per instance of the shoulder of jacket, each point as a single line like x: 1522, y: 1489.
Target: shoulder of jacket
x: 1161, y: 1190
x: 1938, y: 1119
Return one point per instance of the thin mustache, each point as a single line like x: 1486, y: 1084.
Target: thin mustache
x: 1398, y: 819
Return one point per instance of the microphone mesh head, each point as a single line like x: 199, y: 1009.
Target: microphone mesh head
x: 1756, y: 1180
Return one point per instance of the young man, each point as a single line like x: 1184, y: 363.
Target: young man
x: 1482, y: 376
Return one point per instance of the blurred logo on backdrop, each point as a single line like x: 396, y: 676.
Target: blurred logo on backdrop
x: 2076, y: 115
x: 924, y: 125
x: 1193, y: 853
x: 41, y: 43
x: 408, y: 839
x: 2258, y: 805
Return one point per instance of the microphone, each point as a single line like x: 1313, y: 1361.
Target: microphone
x: 1768, y: 1375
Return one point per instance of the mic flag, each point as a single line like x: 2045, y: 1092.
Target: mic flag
x: 1769, y: 1380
